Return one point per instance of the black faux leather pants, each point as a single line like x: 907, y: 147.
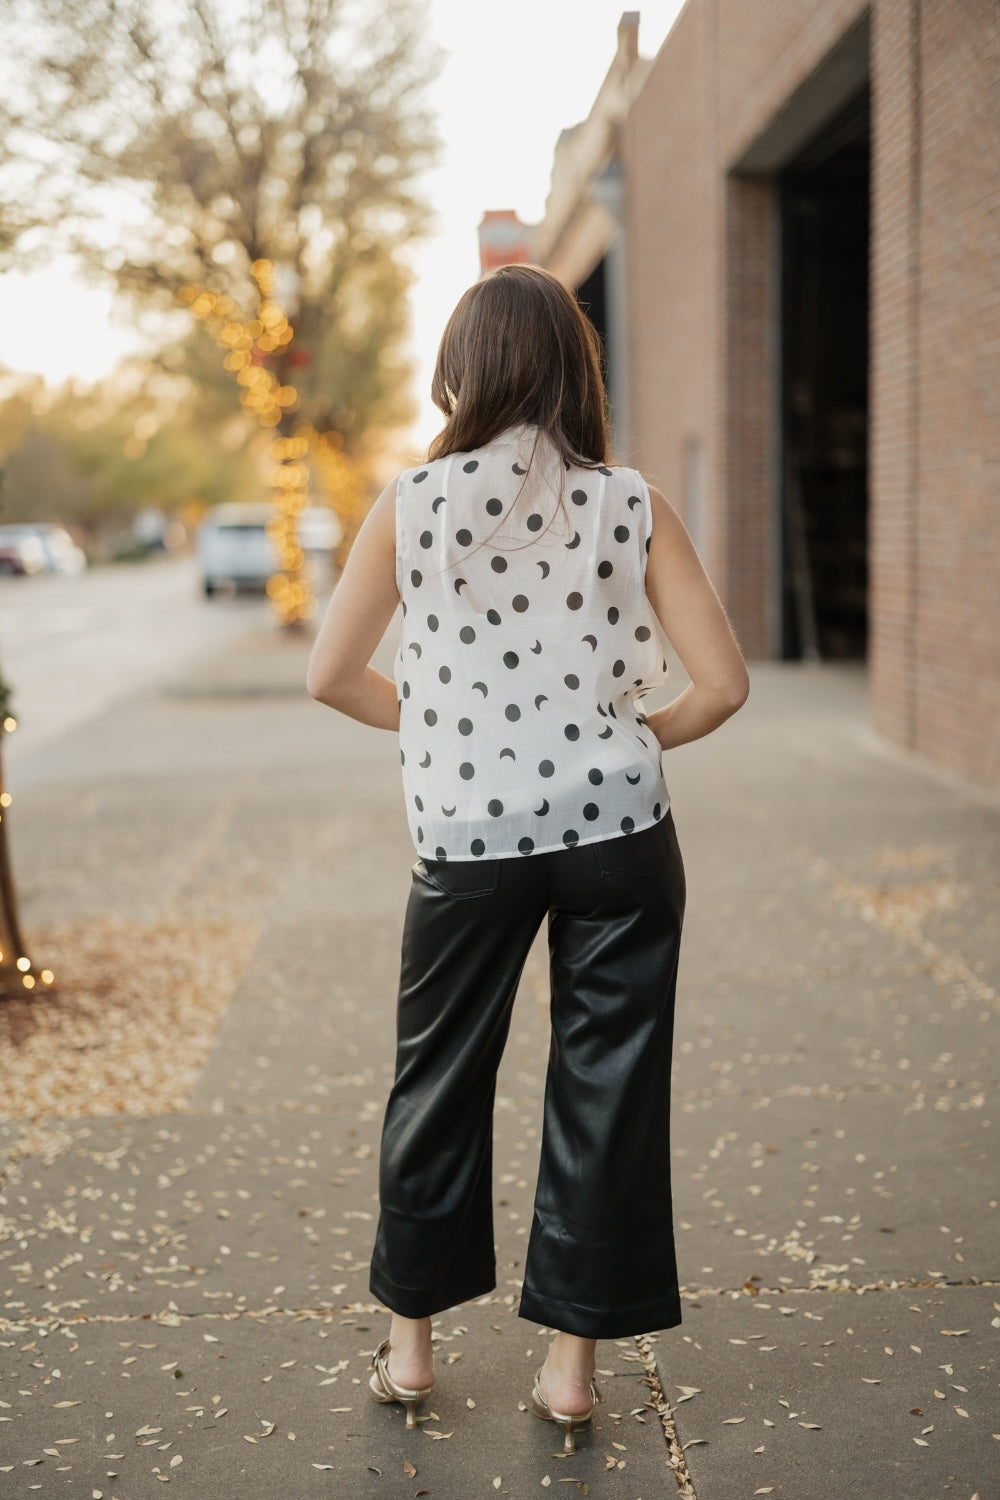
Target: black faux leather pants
x: 600, y: 1260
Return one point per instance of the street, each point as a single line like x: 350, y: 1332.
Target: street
x: 72, y: 645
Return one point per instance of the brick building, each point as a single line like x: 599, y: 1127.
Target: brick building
x: 787, y: 227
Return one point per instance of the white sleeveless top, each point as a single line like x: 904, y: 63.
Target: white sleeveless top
x: 527, y: 641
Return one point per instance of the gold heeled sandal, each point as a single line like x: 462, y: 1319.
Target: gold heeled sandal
x: 570, y: 1423
x: 390, y: 1391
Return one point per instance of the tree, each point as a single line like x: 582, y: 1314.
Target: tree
x: 183, y: 146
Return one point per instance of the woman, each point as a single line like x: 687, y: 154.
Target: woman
x: 532, y: 576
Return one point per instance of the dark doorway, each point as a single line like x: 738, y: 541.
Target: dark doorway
x: 824, y: 196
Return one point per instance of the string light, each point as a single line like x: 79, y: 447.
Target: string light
x: 17, y: 974
x: 249, y: 344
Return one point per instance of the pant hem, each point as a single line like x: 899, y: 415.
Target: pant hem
x: 600, y: 1322
x: 424, y: 1302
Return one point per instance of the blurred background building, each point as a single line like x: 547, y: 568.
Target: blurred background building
x: 785, y: 228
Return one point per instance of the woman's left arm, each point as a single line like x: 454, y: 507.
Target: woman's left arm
x: 364, y: 601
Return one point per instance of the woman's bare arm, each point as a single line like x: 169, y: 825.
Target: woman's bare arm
x: 695, y: 624
x: 356, y: 619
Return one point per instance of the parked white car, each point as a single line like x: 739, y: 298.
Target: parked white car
x: 234, y: 547
x: 39, y: 547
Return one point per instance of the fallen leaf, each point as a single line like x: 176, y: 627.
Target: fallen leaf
x: 954, y: 1333
x: 726, y: 1421
x: 330, y: 1466
x: 921, y: 1442
x: 59, y: 1404
x: 813, y: 1426
x: 766, y: 1489
x: 408, y: 1469
x: 432, y: 1433
x: 470, y: 1403
x: 497, y: 1482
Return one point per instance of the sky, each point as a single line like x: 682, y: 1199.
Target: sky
x: 511, y: 79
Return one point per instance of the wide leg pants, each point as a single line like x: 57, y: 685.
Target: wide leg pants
x: 600, y: 1260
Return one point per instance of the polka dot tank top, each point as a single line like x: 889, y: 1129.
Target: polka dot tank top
x: 527, y: 641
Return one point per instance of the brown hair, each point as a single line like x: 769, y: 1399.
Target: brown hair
x: 518, y: 349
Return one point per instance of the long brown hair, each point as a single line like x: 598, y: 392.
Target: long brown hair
x: 518, y: 349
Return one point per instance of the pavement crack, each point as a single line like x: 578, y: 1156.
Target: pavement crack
x: 663, y: 1409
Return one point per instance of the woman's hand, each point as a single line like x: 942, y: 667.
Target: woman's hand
x: 364, y: 601
x: 695, y: 624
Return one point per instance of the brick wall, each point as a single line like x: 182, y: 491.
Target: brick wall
x: 703, y: 317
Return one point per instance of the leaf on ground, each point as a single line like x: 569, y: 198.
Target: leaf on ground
x: 433, y: 1433
x: 408, y: 1469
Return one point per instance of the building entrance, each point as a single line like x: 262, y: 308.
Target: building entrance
x: 824, y: 198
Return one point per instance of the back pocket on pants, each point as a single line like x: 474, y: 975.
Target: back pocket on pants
x: 460, y: 877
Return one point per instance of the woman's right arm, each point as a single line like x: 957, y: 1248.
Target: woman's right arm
x: 695, y: 624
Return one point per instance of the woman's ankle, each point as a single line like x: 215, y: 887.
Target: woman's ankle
x: 571, y: 1357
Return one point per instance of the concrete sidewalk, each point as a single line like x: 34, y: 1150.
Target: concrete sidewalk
x: 185, y: 1292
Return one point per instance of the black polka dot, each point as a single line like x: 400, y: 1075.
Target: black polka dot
x: 498, y: 564
x: 430, y: 717
x: 612, y: 616
x: 574, y: 600
x: 603, y: 469
x: 477, y: 847
x: 618, y: 668
x: 535, y: 522
x: 572, y: 731
x: 444, y: 673
x: 418, y: 803
x: 494, y: 807
x: 571, y: 680
x: 467, y: 634
x: 579, y: 497
x: 656, y: 811
x: 406, y: 689
x: 402, y: 757
x: 471, y: 466
x: 493, y: 617
x: 595, y: 777
x: 647, y: 543
x: 416, y: 577
x: 642, y: 633
x: 520, y: 603
x: 525, y: 845
x: 465, y: 726
x: 463, y: 537
x: 494, y: 506
x: 427, y: 539
x: 546, y: 768
x: 591, y: 811
x: 419, y: 478
x: 512, y: 712
x: 510, y: 659
x: 604, y: 570
x: 621, y: 533
x: 627, y: 825
x: 420, y: 834
x: 571, y: 837
x: 466, y: 770
x: 432, y: 622
x: 440, y: 852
